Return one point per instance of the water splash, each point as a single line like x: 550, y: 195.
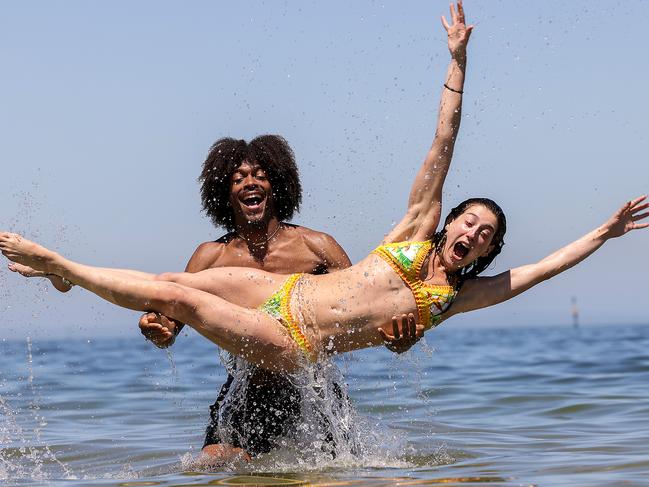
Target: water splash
x: 24, y: 454
x: 315, y: 430
x: 174, y: 376
x: 9, y: 431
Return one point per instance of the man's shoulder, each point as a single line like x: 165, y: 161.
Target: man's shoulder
x: 207, y: 253
x: 324, y: 247
x: 309, y: 235
x: 215, y: 245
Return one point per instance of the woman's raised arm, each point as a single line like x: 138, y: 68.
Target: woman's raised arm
x: 425, y: 201
x: 487, y: 291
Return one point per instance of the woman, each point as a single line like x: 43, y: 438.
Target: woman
x: 415, y: 269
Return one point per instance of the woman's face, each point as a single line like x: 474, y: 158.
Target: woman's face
x: 468, y: 237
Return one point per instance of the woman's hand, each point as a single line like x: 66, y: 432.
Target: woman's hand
x: 458, y: 32
x: 625, y: 219
x: 425, y: 202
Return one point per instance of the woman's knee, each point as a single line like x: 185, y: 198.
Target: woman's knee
x: 167, y: 277
x: 173, y: 299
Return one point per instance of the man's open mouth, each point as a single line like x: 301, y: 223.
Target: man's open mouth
x: 252, y: 201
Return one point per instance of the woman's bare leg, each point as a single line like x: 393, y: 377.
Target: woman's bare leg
x: 26, y: 271
x: 243, y: 286
x: 241, y: 331
x: 239, y: 285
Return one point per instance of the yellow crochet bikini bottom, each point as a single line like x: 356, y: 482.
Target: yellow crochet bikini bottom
x: 279, y: 307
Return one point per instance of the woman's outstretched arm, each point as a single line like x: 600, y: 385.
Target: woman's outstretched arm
x: 487, y: 291
x: 425, y: 201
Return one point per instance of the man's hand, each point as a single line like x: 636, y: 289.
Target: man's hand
x: 159, y: 329
x: 405, y: 333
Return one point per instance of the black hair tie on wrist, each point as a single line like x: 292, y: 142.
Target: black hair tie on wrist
x: 451, y: 89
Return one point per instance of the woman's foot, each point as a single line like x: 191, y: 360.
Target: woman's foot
x: 25, y: 270
x: 59, y: 283
x: 25, y: 252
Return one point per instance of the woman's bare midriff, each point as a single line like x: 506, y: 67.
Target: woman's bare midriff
x: 342, y: 311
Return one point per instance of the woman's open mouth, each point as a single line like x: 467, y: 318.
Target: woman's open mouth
x: 460, y: 250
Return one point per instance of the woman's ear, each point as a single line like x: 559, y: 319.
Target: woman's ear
x: 488, y: 251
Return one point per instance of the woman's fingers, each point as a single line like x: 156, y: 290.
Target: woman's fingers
x: 638, y: 200
x: 445, y: 23
x: 460, y: 11
x: 453, y: 13
x: 639, y: 217
x: 632, y: 204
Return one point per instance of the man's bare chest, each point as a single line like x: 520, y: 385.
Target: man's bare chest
x: 280, y: 262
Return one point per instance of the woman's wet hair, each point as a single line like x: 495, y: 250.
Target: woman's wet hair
x: 481, y: 263
x: 275, y: 157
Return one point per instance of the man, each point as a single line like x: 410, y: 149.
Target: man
x: 251, y: 189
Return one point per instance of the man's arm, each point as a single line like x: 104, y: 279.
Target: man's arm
x: 425, y: 201
x: 333, y: 256
x: 161, y: 330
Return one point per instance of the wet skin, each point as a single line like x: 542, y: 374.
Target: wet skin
x: 335, y: 306
x: 261, y: 242
x: 290, y: 248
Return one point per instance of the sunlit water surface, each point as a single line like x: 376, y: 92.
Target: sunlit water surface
x: 546, y: 406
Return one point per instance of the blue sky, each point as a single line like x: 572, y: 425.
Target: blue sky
x: 109, y: 110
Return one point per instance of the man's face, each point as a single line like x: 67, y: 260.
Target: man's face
x: 251, y: 194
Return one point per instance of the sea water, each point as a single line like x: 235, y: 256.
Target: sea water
x: 517, y: 406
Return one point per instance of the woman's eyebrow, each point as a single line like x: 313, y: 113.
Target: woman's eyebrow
x: 488, y: 225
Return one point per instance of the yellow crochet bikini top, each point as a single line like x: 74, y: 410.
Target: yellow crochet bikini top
x: 407, y: 258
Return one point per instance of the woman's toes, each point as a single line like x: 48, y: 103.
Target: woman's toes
x: 25, y: 270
